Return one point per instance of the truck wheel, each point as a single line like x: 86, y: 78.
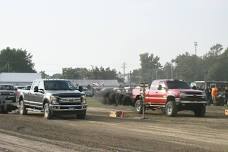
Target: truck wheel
x: 139, y: 106
x: 48, y: 114
x: 82, y: 115
x: 163, y: 110
x: 22, y: 108
x: 170, y: 108
x: 200, y: 111
x: 3, y: 110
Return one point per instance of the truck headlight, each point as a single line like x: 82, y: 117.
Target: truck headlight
x: 83, y: 99
x: 182, y: 95
x: 54, y: 100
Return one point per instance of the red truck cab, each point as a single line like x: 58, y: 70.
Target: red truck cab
x: 171, y: 96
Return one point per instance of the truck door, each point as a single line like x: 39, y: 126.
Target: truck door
x: 39, y: 95
x: 161, y: 93
x: 28, y: 94
x: 151, y: 96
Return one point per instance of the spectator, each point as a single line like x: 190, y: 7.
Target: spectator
x: 214, y: 94
x: 208, y: 95
x: 226, y: 95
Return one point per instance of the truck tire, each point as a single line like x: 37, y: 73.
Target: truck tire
x: 163, y: 110
x: 139, y: 106
x: 82, y: 115
x: 3, y: 110
x: 48, y: 114
x: 22, y: 108
x: 170, y: 108
x: 200, y: 111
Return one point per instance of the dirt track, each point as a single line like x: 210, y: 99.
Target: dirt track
x: 184, y: 133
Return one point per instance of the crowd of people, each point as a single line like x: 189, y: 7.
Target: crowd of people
x: 215, y: 95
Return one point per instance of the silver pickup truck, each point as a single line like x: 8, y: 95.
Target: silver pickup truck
x: 7, y: 98
x: 53, y: 97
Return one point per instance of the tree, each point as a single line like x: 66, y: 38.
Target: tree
x: 210, y: 60
x: 189, y: 67
x: 75, y: 73
x: 44, y: 75
x: 57, y: 76
x: 83, y: 73
x: 136, y: 76
x: 167, y: 71
x: 150, y: 65
x: 218, y: 70
x: 16, y: 60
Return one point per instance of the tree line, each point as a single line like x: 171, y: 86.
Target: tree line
x: 186, y: 66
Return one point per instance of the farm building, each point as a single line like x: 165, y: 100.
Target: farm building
x: 19, y: 79
x: 97, y: 83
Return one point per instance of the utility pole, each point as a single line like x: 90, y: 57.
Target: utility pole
x: 130, y: 79
x: 195, y: 44
x: 124, y: 69
x: 171, y: 68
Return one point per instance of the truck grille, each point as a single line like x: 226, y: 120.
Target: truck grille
x: 69, y: 95
x: 193, y: 98
x: 193, y: 93
x: 70, y: 103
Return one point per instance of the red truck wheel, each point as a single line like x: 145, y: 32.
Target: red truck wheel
x: 170, y: 108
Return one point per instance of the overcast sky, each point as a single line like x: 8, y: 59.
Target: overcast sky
x: 86, y: 33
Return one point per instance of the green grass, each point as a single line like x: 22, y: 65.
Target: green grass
x: 94, y: 102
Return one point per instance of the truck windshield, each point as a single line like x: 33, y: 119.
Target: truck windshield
x: 6, y: 87
x: 58, y: 85
x: 177, y: 85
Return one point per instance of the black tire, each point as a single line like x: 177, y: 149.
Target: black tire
x: 3, y: 110
x: 48, y: 114
x: 163, y: 110
x: 200, y: 111
x: 111, y: 98
x: 170, y: 108
x: 126, y: 100
x: 82, y: 115
x: 139, y: 106
x: 22, y: 108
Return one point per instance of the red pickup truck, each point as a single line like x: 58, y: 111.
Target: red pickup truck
x: 170, y: 96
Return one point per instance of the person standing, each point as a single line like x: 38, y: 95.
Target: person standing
x: 226, y: 95
x: 208, y: 95
x: 214, y: 94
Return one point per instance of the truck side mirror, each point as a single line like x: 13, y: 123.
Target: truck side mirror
x: 194, y: 87
x: 41, y: 90
x: 36, y: 89
x: 159, y: 87
x: 80, y: 88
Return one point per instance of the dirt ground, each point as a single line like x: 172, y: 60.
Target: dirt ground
x: 183, y: 133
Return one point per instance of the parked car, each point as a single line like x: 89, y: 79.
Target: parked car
x: 7, y: 98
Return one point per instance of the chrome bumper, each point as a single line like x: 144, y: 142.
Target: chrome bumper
x: 193, y: 102
x: 68, y: 107
x: 179, y: 101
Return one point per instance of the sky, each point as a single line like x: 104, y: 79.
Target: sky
x: 89, y: 33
